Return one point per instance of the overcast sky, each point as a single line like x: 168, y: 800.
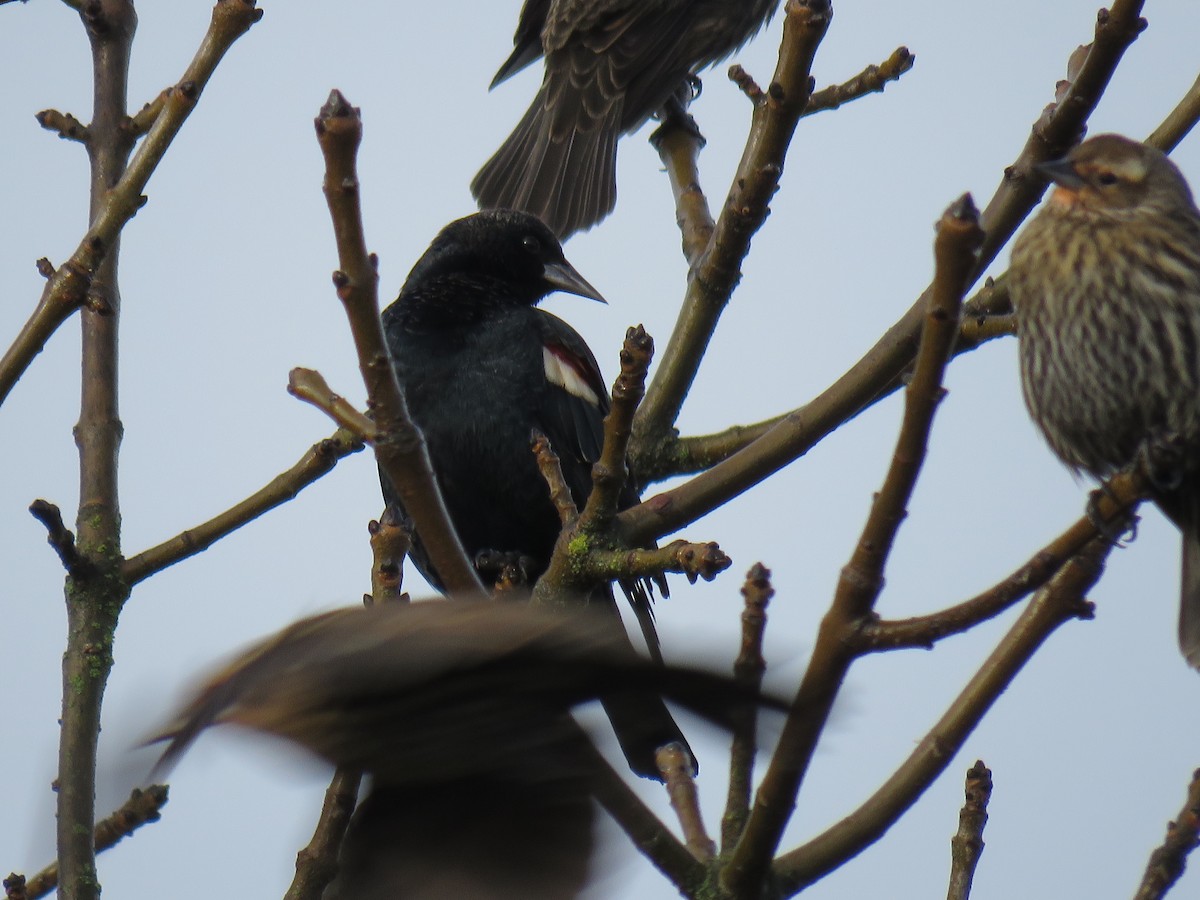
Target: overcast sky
x: 225, y: 280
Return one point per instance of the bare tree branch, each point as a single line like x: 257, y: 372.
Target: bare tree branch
x: 877, y: 372
x: 1181, y: 120
x: 705, y: 561
x: 675, y: 764
x: 754, y: 184
x: 310, y: 386
x: 318, y: 461
x: 94, y: 599
x: 1060, y: 601
x: 673, y: 455
x: 652, y: 839
x: 1168, y: 860
x: 551, y: 469
x: 611, y: 471
x: 399, y: 446
x: 141, y: 121
x: 390, y: 543
x: 317, y: 863
x: 59, y: 537
x: 955, y: 249
x: 143, y: 806
x: 65, y: 125
x: 1110, y: 507
x: 967, y: 844
x: 67, y: 289
x: 871, y: 80
x: 678, y: 145
x: 748, y: 670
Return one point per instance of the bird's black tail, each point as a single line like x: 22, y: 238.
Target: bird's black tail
x: 563, y: 173
x: 640, y: 720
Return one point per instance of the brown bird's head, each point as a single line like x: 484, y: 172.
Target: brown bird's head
x: 1118, y: 177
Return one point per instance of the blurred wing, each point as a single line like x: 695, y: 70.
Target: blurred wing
x: 438, y: 690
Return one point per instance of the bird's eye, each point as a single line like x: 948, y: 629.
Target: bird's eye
x: 532, y: 244
x: 1106, y: 178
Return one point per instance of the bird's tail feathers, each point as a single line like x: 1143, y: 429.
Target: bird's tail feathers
x: 567, y: 180
x: 1189, y: 599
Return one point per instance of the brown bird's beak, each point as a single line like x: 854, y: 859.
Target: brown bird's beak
x: 1061, y: 172
x: 563, y: 277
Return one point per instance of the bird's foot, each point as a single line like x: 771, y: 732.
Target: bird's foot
x: 685, y: 94
x: 1120, y: 531
x: 674, y: 114
x: 506, y: 571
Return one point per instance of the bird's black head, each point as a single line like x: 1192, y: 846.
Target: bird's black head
x: 496, y: 258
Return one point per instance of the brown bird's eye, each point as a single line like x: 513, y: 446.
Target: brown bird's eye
x: 532, y: 244
x: 1106, y: 179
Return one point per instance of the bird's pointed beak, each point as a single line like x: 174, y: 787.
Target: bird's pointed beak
x: 1061, y: 172
x: 563, y: 277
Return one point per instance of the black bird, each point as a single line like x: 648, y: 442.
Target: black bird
x: 482, y: 368
x: 482, y: 782
x: 610, y: 65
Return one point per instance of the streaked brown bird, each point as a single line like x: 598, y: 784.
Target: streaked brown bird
x: 1106, y: 285
x: 609, y: 66
x: 482, y: 782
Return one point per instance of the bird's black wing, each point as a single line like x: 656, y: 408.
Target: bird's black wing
x: 574, y: 404
x: 572, y: 417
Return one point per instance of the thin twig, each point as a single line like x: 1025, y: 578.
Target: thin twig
x: 14, y: 884
x: 141, y: 121
x: 611, y: 470
x: 1168, y: 860
x: 1179, y: 121
x: 143, y: 807
x: 319, y: 460
x: 59, y: 537
x: 873, y: 79
x: 310, y: 386
x: 1112, y: 505
x: 650, y: 836
x: 390, y: 543
x: 673, y: 455
x: 551, y: 469
x: 705, y: 561
x: 399, y: 446
x: 317, y: 863
x: 748, y: 671
x: 65, y: 125
x: 675, y: 765
x: 967, y: 844
x: 679, y: 145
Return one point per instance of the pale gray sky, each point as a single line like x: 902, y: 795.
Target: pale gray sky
x: 225, y: 278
